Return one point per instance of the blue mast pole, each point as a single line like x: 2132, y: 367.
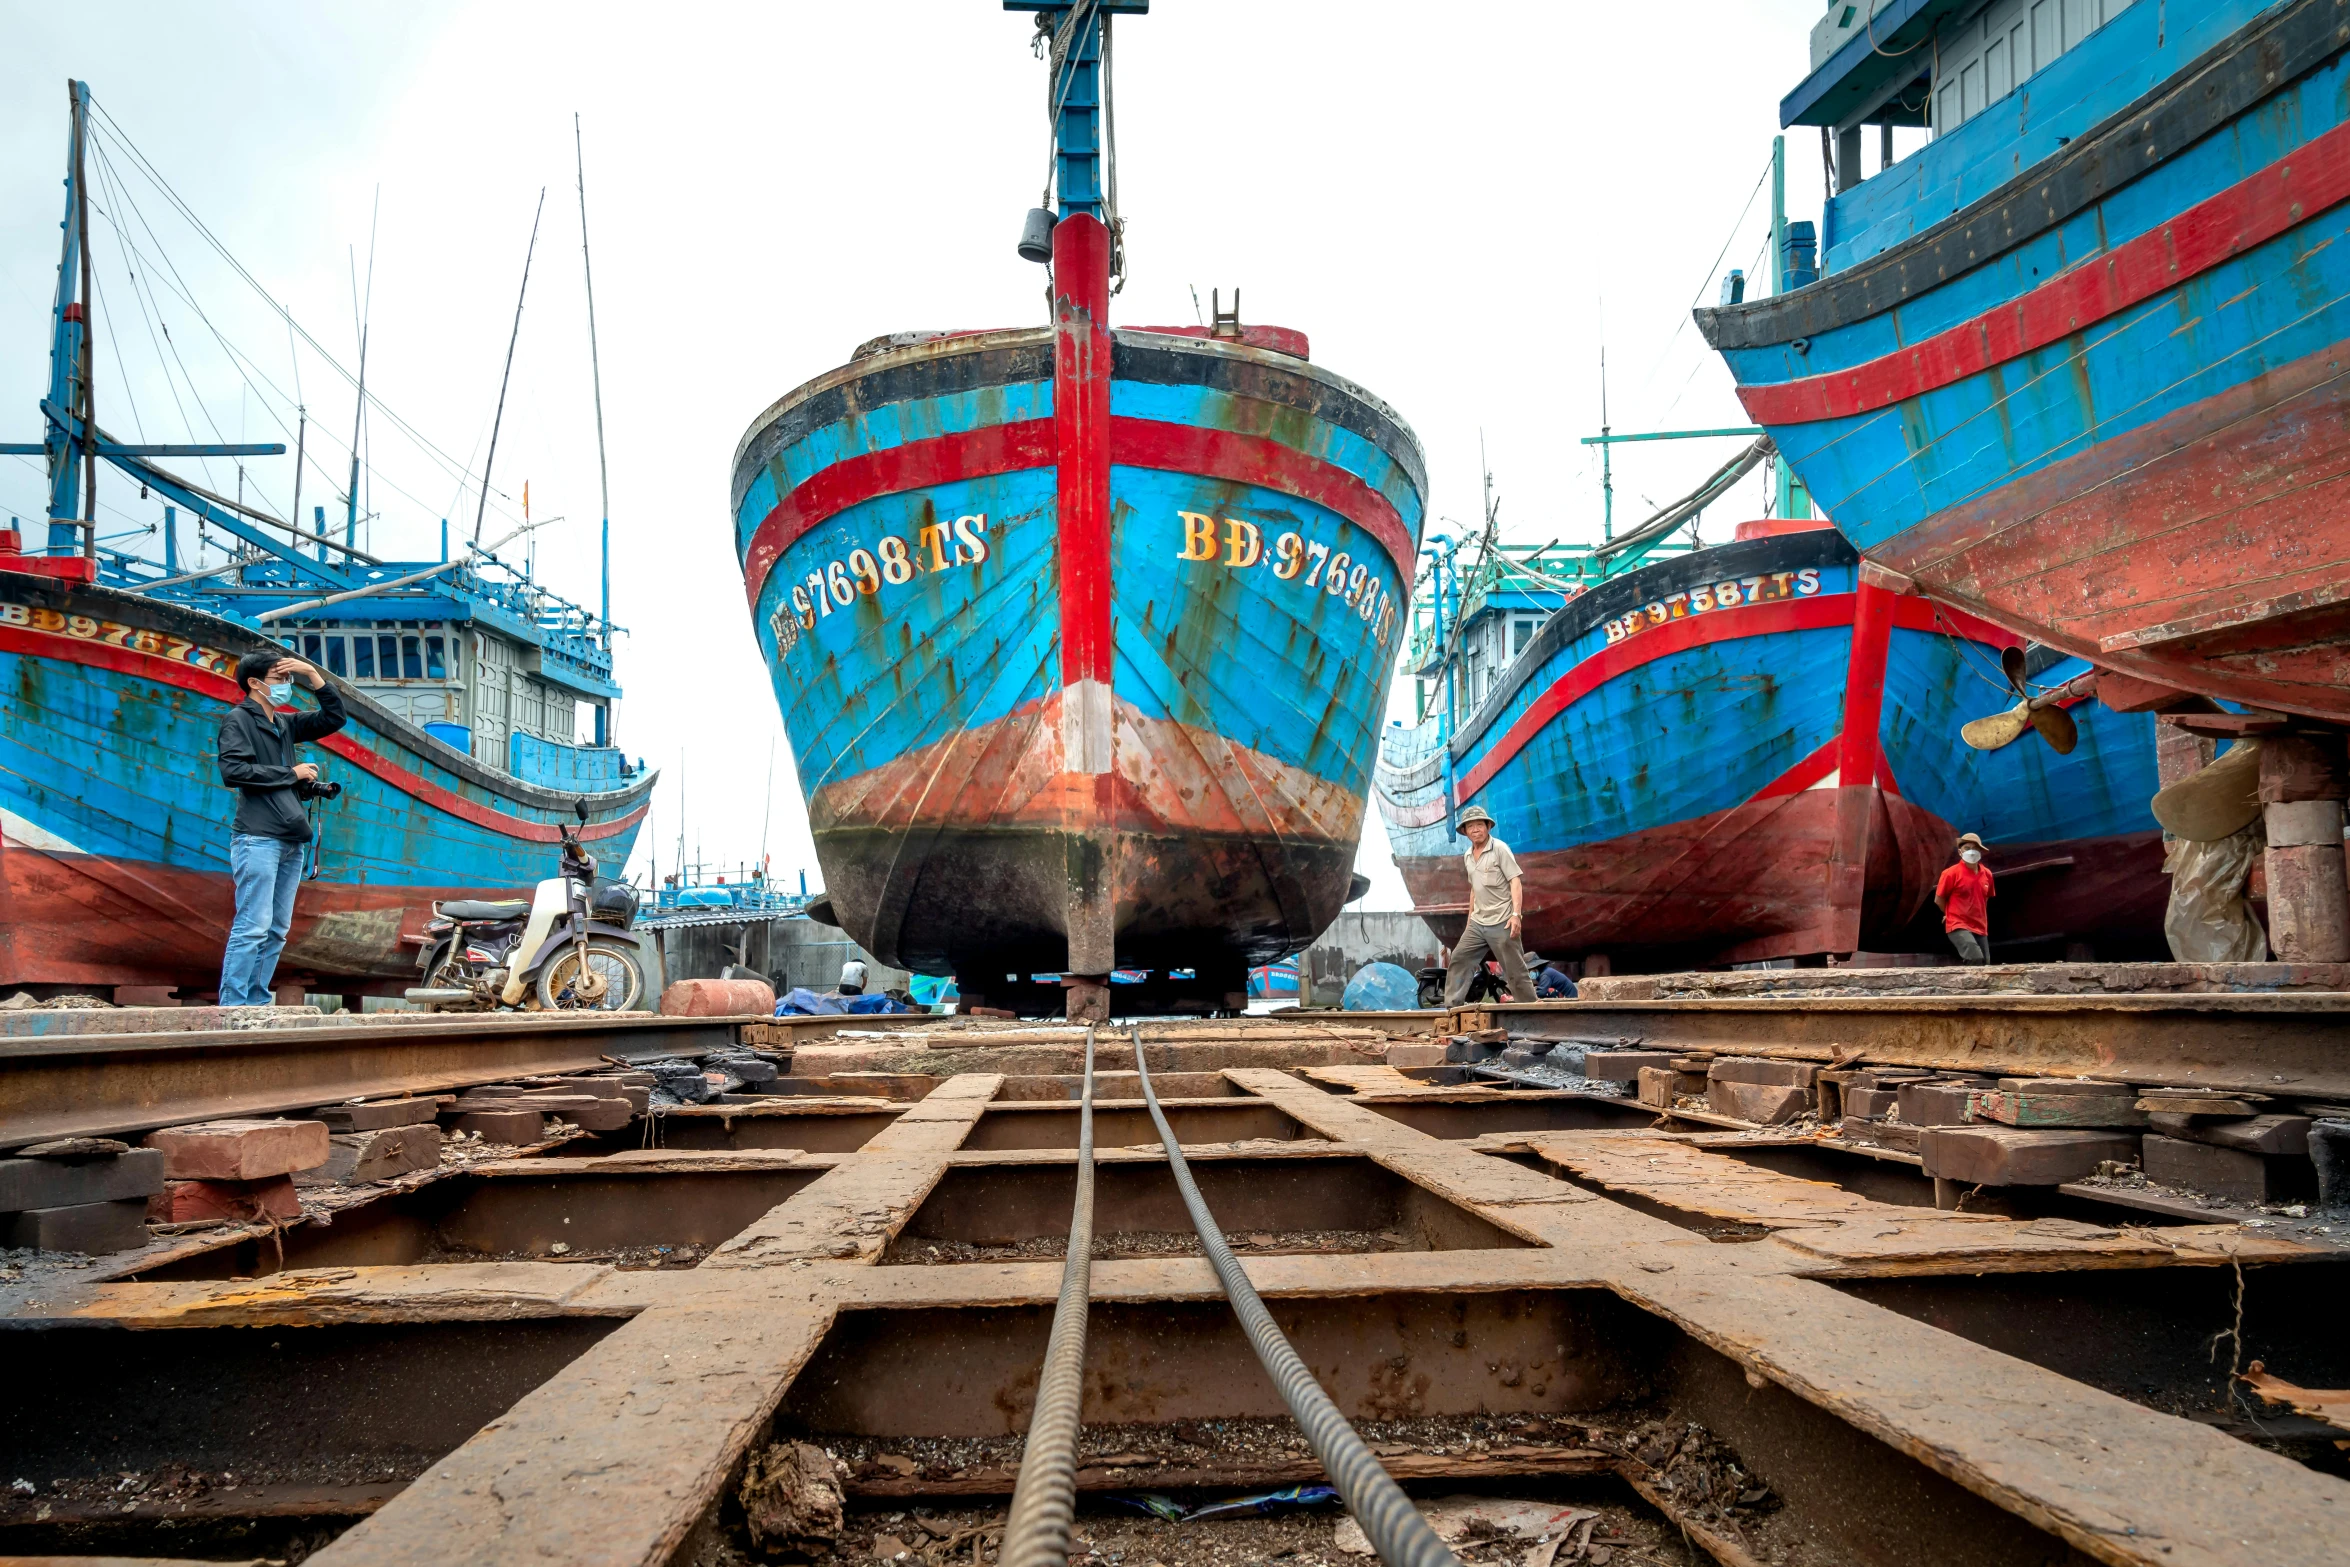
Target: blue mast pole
x: 68, y: 335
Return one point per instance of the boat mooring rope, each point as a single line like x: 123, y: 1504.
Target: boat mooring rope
x: 1045, y: 1497
x: 1393, y: 1525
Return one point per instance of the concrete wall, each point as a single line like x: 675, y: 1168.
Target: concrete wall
x: 1356, y: 939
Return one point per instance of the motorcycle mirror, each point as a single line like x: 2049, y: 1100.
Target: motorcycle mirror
x: 580, y: 807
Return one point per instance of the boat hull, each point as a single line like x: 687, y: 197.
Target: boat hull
x: 2109, y: 412
x: 114, y: 826
x: 1686, y: 781
x: 921, y: 588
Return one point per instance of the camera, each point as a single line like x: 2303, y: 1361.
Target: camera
x: 312, y: 789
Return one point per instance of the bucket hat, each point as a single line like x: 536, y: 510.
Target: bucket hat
x: 1475, y: 813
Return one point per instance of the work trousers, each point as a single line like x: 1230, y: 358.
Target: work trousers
x: 1972, y: 948
x: 1477, y: 943
x: 267, y: 873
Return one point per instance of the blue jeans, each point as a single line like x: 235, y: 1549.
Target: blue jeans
x: 267, y: 872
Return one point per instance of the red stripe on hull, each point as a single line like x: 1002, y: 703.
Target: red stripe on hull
x: 1734, y: 886
x: 170, y: 672
x: 88, y: 920
x: 2217, y: 509
x: 968, y: 454
x: 2253, y: 211
x: 1012, y: 448
x: 1253, y: 460
x: 1617, y: 658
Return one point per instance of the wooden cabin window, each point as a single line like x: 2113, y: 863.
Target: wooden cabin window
x: 363, y: 657
x: 311, y: 649
x: 411, y: 659
x: 435, y: 660
x: 334, y: 656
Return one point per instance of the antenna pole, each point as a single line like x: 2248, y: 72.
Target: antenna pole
x: 596, y: 380
x: 359, y: 409
x: 500, y: 417
x: 1607, y: 453
x: 81, y: 223
x: 301, y: 446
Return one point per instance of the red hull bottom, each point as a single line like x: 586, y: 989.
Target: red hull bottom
x: 76, y: 919
x: 1753, y: 883
x: 1735, y: 886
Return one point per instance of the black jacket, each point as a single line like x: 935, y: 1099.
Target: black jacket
x: 257, y: 757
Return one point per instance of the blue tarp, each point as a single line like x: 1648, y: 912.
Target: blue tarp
x: 1381, y: 987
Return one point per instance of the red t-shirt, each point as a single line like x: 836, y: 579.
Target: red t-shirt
x: 1965, y: 891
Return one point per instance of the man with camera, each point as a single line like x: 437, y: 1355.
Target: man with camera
x: 265, y: 847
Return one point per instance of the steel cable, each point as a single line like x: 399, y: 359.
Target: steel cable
x: 1395, y: 1528
x: 1044, y: 1499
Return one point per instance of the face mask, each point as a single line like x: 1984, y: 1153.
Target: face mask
x: 282, y: 692
x: 1971, y: 856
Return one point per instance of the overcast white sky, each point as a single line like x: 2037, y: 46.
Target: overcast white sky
x: 1458, y: 204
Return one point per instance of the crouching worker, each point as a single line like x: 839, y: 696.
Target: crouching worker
x: 272, y: 832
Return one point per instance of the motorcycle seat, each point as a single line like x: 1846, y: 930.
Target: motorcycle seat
x: 466, y: 909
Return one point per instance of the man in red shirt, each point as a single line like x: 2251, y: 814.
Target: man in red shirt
x: 1964, y: 897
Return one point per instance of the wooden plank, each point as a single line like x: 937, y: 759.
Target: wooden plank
x: 852, y: 1210
x: 614, y: 1461
x: 2120, y: 1482
x: 2058, y: 1110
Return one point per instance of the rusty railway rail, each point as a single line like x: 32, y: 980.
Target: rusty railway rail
x: 2295, y: 1044
x: 97, y: 1084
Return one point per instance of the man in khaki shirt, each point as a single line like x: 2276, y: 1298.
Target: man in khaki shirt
x: 1497, y: 900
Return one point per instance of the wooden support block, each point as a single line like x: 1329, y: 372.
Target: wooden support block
x: 1762, y: 1069
x: 1765, y: 1104
x: 1622, y: 1066
x: 638, y: 1095
x: 196, y: 1202
x: 1934, y: 1104
x: 2261, y: 1134
x: 1870, y: 1104
x: 2226, y: 1172
x: 1415, y: 1053
x: 353, y: 1157
x: 59, y: 1183
x: 501, y: 1126
x: 374, y: 1115
x: 95, y: 1228
x: 1891, y: 1134
x: 2020, y: 1156
x: 2066, y: 1085
x: 1656, y: 1086
x: 240, y: 1150
x: 2033, y: 1109
x: 2185, y: 1102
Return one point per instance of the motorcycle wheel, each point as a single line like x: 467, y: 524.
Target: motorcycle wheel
x: 609, y: 981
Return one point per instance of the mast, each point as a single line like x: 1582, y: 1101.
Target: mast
x: 359, y: 407
x: 500, y: 417
x: 596, y: 380
x: 1607, y: 467
x: 89, y: 411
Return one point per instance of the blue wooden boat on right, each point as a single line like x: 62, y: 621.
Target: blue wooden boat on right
x: 2079, y: 366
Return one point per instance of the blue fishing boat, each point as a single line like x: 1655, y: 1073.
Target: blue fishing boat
x: 1751, y: 751
x: 480, y: 710
x: 2077, y: 365
x: 1081, y: 633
